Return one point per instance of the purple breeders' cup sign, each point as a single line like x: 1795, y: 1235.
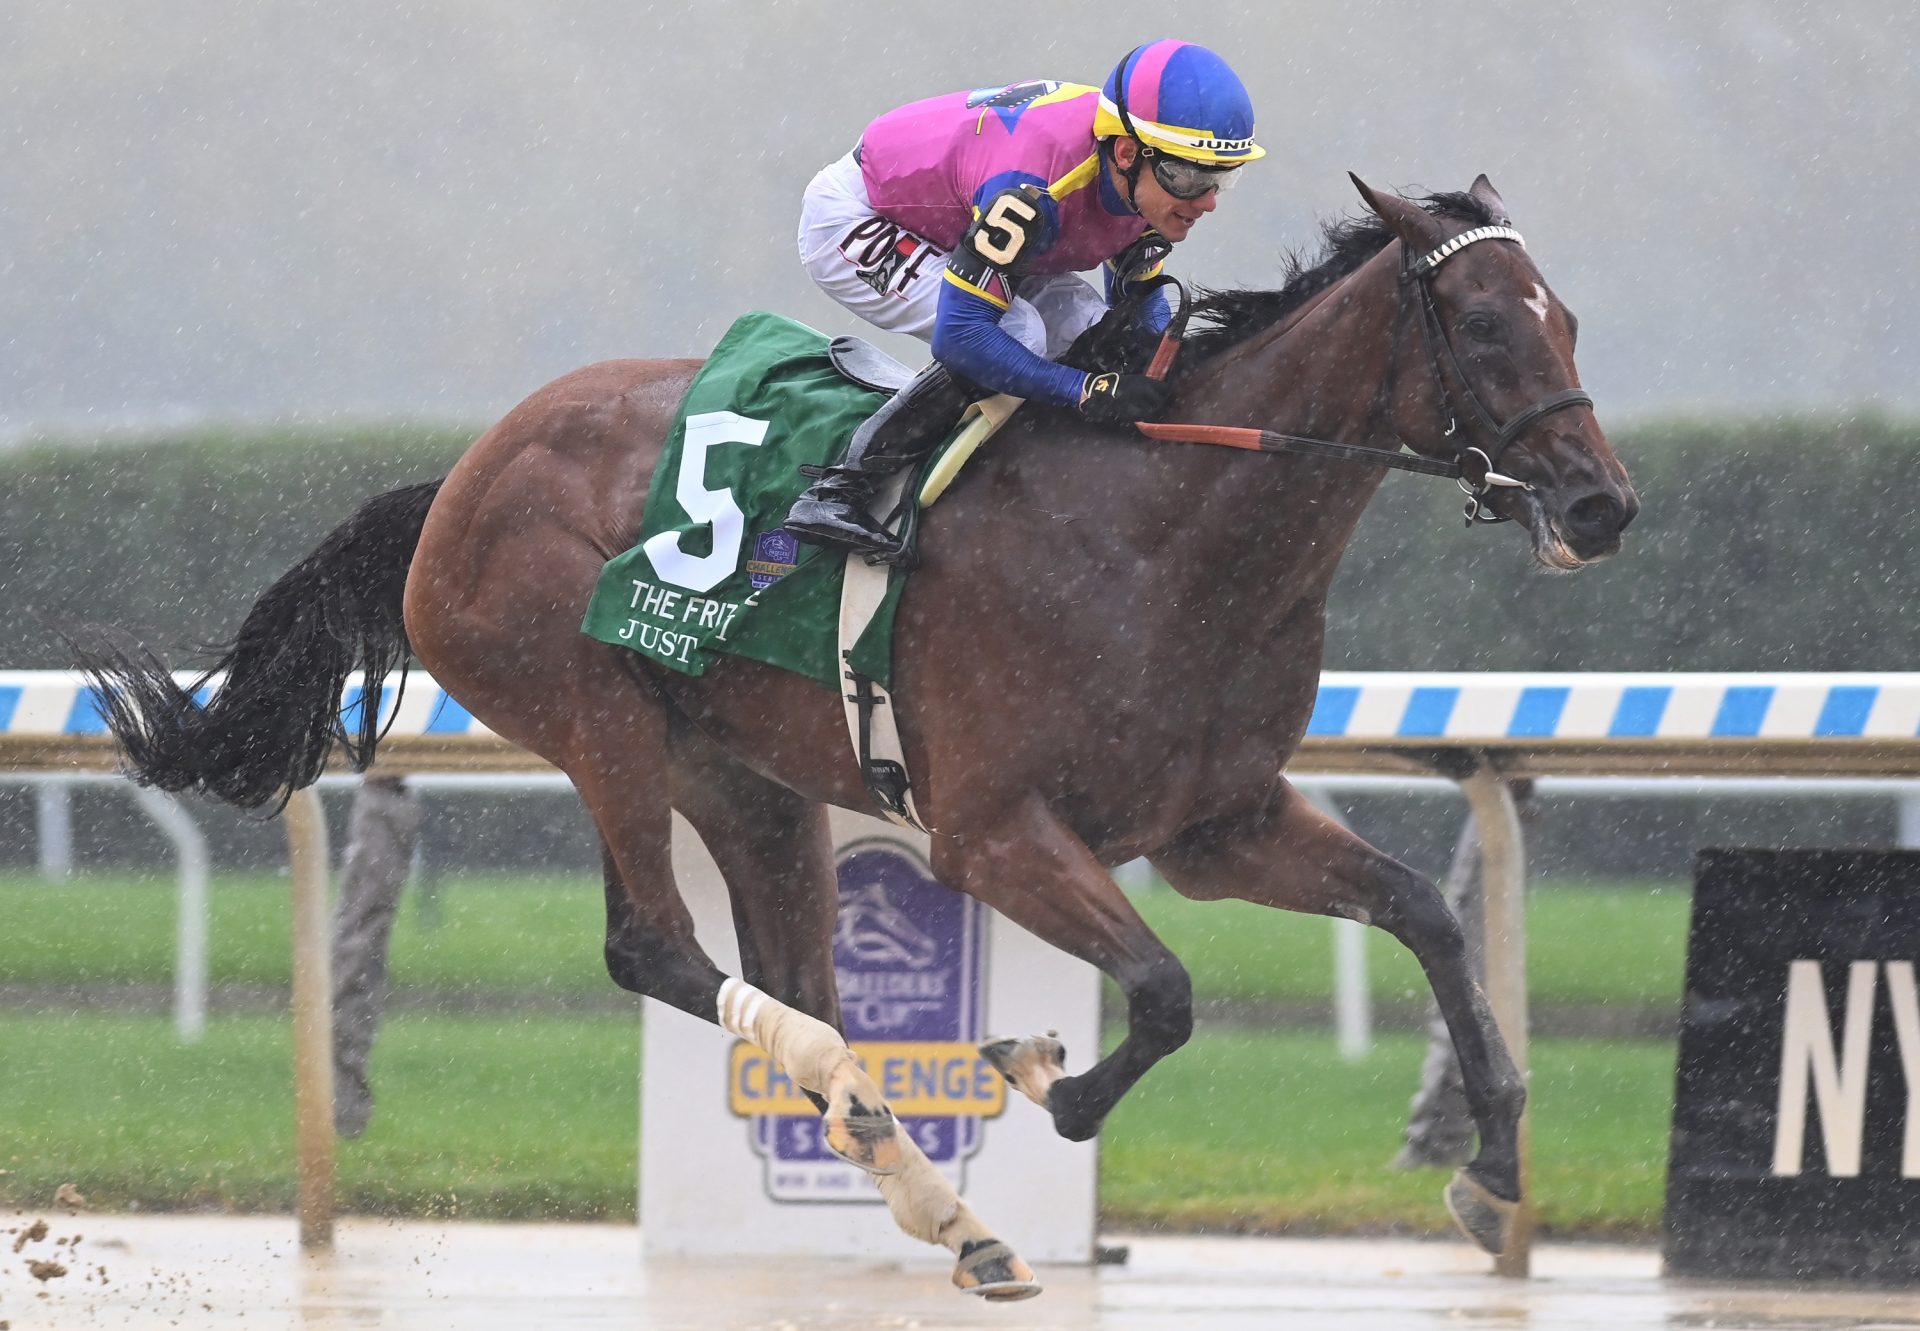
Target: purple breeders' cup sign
x: 910, y: 955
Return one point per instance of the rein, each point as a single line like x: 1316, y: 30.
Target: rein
x: 1475, y: 467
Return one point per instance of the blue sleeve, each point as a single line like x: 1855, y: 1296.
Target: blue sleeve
x: 968, y: 340
x: 1155, y: 312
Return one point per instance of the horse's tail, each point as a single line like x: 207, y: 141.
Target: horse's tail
x: 269, y: 727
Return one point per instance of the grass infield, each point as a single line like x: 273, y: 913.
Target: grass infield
x: 523, y: 1115
x: 490, y: 1117
x: 1589, y: 944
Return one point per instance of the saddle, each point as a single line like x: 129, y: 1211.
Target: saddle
x: 1117, y: 338
x: 860, y: 362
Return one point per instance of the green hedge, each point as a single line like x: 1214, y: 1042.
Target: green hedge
x: 173, y: 539
x: 1777, y: 544
x: 1763, y: 544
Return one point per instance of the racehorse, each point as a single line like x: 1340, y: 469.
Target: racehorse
x: 1110, y: 649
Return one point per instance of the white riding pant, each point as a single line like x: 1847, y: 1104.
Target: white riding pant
x: 892, y: 278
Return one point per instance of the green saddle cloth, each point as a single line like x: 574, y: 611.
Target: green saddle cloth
x: 712, y: 571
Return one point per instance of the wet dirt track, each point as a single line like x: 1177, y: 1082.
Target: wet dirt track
x: 225, y: 1273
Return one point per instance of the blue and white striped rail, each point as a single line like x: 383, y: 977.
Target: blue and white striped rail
x: 1828, y: 724
x: 1495, y: 709
x: 53, y: 704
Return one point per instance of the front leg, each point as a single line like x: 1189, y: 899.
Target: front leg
x: 1292, y: 856
x: 1035, y: 871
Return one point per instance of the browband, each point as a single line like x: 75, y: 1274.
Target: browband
x: 1422, y: 266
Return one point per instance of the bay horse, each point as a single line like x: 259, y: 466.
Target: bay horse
x: 1110, y: 650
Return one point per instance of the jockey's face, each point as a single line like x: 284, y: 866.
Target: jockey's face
x: 1171, y: 217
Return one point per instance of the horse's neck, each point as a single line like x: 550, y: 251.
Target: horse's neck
x: 1226, y: 552
x: 1318, y: 373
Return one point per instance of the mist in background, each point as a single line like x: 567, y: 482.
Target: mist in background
x: 212, y: 210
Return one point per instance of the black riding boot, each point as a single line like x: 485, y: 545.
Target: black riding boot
x: 833, y: 511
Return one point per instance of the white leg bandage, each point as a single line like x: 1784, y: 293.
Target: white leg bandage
x: 922, y: 1200
x: 807, y: 1048
x: 924, y: 1203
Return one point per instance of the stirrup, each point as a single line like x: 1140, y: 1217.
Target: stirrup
x: 835, y: 509
x: 834, y: 522
x: 852, y: 487
x: 852, y: 541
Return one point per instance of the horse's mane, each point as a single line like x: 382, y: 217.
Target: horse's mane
x: 1222, y: 319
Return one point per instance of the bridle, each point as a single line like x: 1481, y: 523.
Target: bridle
x: 1473, y: 458
x: 1475, y: 467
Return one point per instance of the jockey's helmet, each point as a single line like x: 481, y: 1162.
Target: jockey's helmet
x: 1181, y: 101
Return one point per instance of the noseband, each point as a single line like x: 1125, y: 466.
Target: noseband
x: 1475, y: 467
x: 1479, y: 474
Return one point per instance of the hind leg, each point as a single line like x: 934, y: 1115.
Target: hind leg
x: 651, y: 948
x: 1292, y: 856
x: 574, y: 702
x: 775, y: 854
x: 508, y: 646
x: 641, y: 957
x: 774, y: 850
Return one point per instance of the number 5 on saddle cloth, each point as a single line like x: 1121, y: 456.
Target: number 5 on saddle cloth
x: 713, y: 572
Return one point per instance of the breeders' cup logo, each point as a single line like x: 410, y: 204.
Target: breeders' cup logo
x: 874, y: 932
x: 910, y: 955
x: 776, y: 553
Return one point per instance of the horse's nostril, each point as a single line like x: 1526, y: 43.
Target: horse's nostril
x: 1597, y: 514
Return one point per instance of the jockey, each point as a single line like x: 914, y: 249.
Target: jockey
x: 962, y: 220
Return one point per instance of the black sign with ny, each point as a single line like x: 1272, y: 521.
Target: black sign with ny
x: 1795, y: 1151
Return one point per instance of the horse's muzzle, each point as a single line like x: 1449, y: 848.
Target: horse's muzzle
x: 1597, y: 519
x: 1590, y: 523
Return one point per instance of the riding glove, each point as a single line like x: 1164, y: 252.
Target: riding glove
x: 1122, y: 399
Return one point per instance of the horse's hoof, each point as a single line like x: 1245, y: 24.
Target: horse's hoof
x: 994, y: 1271
x: 860, y: 1129
x: 867, y: 1138
x: 1486, y: 1219
x: 1031, y: 1064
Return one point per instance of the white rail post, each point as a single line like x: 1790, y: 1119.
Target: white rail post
x: 1352, y: 995
x: 53, y: 809
x: 1352, y: 1003
x: 1503, y: 878
x: 1909, y: 821
x: 312, y: 1019
x: 190, y: 924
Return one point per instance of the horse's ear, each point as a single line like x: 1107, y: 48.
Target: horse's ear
x: 1413, y: 224
x: 1483, y: 190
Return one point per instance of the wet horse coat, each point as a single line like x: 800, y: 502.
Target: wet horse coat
x: 1111, y: 649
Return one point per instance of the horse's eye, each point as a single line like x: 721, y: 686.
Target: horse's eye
x: 1479, y: 324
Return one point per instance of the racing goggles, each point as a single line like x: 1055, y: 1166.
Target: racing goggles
x: 1189, y: 180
